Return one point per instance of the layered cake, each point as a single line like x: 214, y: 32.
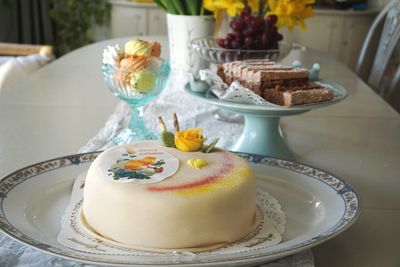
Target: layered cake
x: 150, y: 197
x: 279, y: 84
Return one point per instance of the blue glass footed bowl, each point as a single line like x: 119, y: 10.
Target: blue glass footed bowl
x: 116, y: 80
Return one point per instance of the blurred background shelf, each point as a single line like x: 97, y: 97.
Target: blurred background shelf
x: 338, y: 32
x: 130, y: 18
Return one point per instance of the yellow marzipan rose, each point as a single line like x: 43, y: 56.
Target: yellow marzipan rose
x: 189, y: 140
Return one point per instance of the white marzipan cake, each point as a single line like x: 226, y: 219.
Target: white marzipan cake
x: 146, y: 196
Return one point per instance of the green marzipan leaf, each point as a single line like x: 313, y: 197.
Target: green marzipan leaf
x: 168, y: 139
x: 210, y: 147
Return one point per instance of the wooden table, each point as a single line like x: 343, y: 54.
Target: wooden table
x: 58, y: 109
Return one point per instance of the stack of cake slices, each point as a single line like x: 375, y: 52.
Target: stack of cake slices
x: 278, y: 84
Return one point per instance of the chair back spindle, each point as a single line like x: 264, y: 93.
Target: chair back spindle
x: 380, y: 43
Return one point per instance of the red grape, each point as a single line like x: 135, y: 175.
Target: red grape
x: 264, y: 39
x: 238, y: 35
x: 227, y: 44
x: 236, y: 44
x: 246, y: 10
x: 248, y: 32
x: 236, y: 25
x: 252, y: 32
x: 248, y: 42
x: 256, y: 23
x: 256, y: 43
x: 239, y: 20
x: 247, y: 18
x: 271, y: 19
x: 221, y: 42
x: 230, y: 37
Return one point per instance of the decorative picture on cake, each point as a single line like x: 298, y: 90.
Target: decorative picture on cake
x: 143, y: 166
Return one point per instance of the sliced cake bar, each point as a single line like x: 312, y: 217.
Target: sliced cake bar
x: 282, y: 85
x: 258, y: 75
x: 291, y: 96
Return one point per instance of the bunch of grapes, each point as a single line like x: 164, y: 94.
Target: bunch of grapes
x: 252, y: 32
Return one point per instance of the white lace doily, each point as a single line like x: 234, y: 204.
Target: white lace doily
x: 240, y: 94
x: 234, y: 93
x: 76, y: 236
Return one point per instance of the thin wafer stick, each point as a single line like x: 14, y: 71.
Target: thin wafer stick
x: 176, y: 124
x: 161, y: 124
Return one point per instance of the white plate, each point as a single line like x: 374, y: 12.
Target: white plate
x: 317, y: 205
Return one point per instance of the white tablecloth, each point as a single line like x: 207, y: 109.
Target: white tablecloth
x: 191, y: 113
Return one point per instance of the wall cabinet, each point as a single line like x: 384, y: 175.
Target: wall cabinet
x: 340, y: 33
x: 129, y: 19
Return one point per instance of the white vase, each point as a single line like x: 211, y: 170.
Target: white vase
x: 181, y: 31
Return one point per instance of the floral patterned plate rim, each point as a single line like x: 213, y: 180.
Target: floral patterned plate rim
x: 318, y: 206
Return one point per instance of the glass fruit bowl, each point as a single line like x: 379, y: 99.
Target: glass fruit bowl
x: 207, y: 48
x: 147, y: 85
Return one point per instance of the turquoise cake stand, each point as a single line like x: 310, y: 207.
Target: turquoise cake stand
x: 261, y: 134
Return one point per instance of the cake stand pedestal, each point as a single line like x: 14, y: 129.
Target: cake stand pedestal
x: 261, y: 134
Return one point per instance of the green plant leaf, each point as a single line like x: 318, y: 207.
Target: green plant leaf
x: 179, y: 6
x: 160, y: 4
x: 170, y: 8
x: 73, y: 20
x: 191, y: 6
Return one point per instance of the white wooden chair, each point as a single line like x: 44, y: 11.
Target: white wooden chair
x: 381, y: 43
x: 19, y: 60
x: 393, y: 94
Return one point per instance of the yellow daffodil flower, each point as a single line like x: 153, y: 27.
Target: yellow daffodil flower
x: 291, y: 13
x: 231, y: 7
x: 254, y: 5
